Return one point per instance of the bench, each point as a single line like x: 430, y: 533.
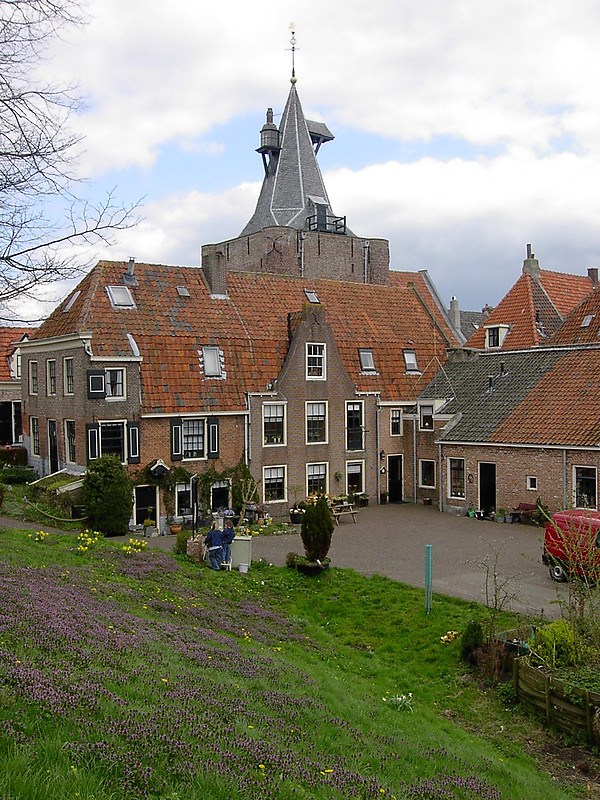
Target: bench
x: 523, y: 512
x: 345, y: 508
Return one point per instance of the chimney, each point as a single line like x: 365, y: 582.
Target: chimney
x: 593, y: 276
x: 531, y: 266
x: 129, y: 278
x: 454, y: 313
x: 214, y: 269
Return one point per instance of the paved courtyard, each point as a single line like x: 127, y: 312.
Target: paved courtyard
x: 390, y: 540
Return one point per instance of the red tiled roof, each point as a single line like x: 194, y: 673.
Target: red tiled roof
x: 533, y: 310
x: 562, y: 409
x: 251, y: 328
x: 9, y: 336
x: 572, y: 332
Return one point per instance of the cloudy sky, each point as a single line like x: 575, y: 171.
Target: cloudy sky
x: 465, y: 129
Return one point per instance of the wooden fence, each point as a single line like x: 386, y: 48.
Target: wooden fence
x: 566, y: 708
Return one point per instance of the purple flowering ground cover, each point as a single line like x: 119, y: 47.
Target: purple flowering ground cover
x: 149, y: 677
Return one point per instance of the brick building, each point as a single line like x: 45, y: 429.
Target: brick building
x: 293, y: 347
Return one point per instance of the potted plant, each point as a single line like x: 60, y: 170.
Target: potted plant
x: 500, y: 515
x: 297, y: 513
x: 316, y: 530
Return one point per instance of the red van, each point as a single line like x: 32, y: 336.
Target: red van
x: 572, y: 544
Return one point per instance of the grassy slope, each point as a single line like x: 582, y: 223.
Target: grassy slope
x: 146, y: 676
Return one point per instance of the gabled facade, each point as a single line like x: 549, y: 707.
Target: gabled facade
x: 292, y: 347
x: 533, y: 309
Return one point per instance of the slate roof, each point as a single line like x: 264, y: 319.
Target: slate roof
x: 293, y: 174
x: 535, y: 397
x: 251, y: 328
x: 9, y: 337
x: 534, y: 309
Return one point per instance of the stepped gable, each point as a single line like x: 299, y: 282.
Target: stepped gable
x: 251, y: 326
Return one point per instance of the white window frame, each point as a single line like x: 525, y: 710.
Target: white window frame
x: 423, y: 414
x: 265, y: 417
x: 324, y: 403
x: 107, y: 384
x: 316, y: 370
x: 396, y: 416
x: 359, y: 462
x: 362, y: 424
x: 212, y: 361
x: 502, y: 331
x: 105, y: 423
x: 32, y: 377
x: 449, y: 478
x: 188, y: 421
x: 266, y: 473
x: 70, y: 455
x: 423, y: 485
x: 97, y: 384
x: 367, y: 360
x: 34, y: 435
x: 51, y: 377
x: 410, y: 361
x: 120, y: 297
x: 532, y: 484
x: 575, y: 498
x: 68, y: 378
x: 323, y: 473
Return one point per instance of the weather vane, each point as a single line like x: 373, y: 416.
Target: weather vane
x: 293, y: 49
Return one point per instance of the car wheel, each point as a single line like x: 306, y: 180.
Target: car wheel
x: 558, y: 572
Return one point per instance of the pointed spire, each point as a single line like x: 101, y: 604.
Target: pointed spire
x: 293, y: 189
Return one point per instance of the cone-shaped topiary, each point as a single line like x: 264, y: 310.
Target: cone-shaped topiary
x: 316, y: 530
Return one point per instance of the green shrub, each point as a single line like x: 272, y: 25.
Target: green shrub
x: 556, y: 644
x: 181, y: 541
x: 17, y: 474
x: 471, y: 641
x: 316, y: 530
x: 107, y: 496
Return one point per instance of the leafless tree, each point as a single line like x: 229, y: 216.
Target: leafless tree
x: 37, y: 158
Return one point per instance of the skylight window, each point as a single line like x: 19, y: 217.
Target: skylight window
x: 120, y: 297
x: 312, y: 296
x: 587, y: 320
x: 183, y: 291
x: 211, y: 359
x: 410, y: 361
x: 367, y: 362
x: 133, y: 344
x: 70, y: 302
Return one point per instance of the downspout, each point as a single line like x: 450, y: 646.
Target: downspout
x: 565, y: 502
x: 366, y: 245
x: 414, y: 459
x: 247, y: 448
x: 440, y: 482
x: 302, y: 235
x: 378, y: 447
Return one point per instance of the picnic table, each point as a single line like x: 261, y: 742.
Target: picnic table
x: 339, y: 509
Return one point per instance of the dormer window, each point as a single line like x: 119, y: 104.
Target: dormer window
x: 367, y: 362
x: 494, y: 335
x: 120, y: 297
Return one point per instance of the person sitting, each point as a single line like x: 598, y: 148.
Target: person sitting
x: 213, y: 543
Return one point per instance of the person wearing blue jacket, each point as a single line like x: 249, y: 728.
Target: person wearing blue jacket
x: 213, y: 543
x: 227, y: 539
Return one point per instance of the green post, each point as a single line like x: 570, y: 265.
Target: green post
x: 428, y: 552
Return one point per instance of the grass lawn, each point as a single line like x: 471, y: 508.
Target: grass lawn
x: 142, y: 675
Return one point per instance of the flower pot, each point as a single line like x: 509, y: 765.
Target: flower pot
x: 312, y: 568
x: 175, y: 529
x: 296, y: 518
x: 244, y: 568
